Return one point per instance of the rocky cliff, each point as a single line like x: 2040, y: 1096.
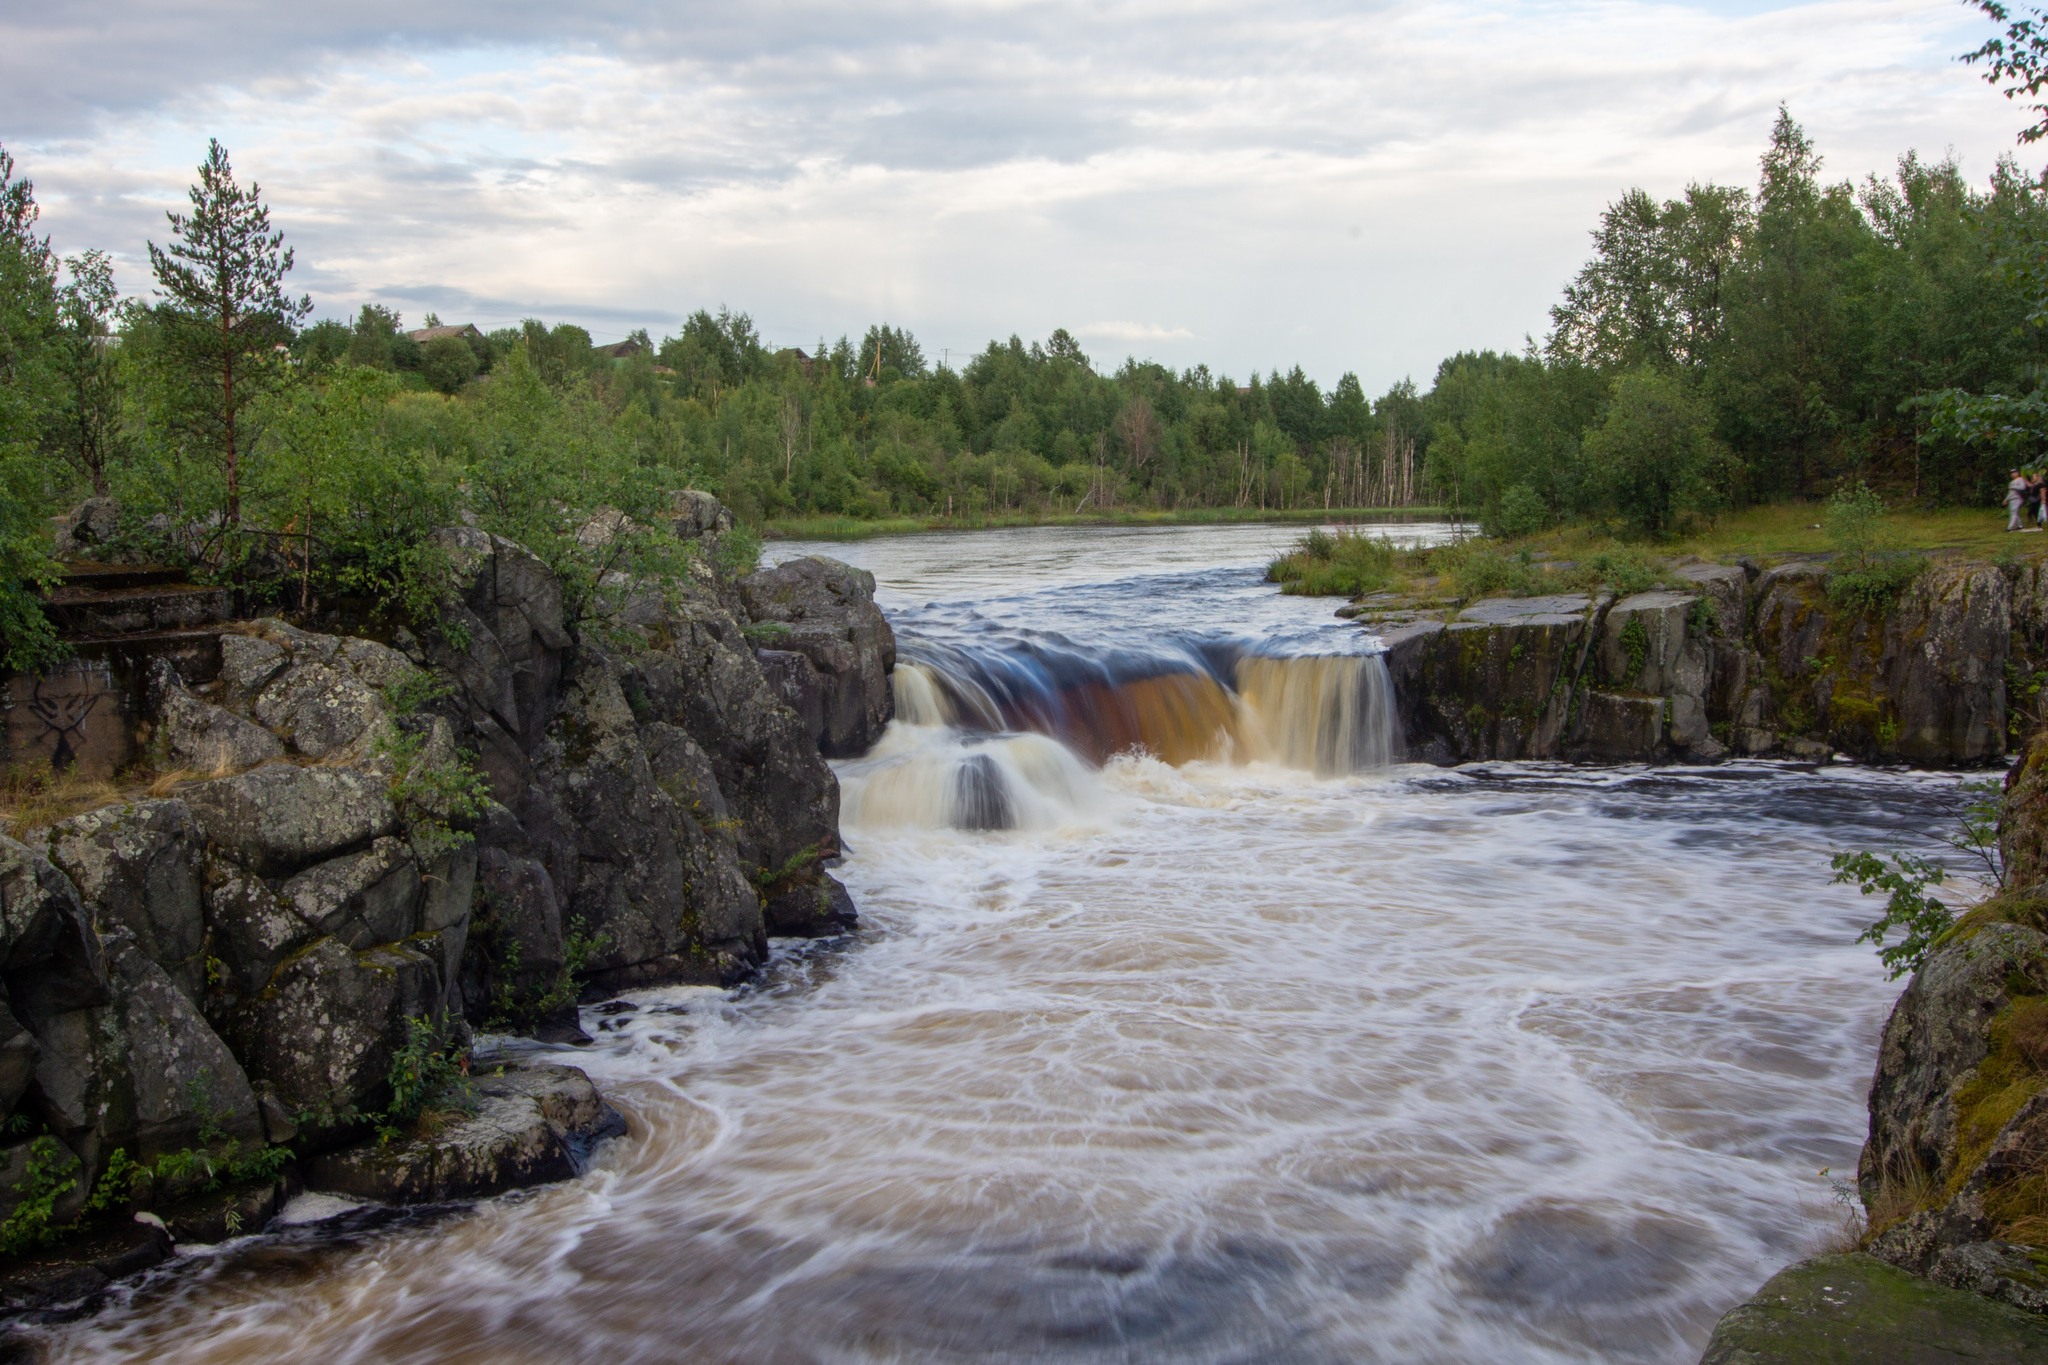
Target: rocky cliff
x: 1739, y: 661
x: 356, y: 851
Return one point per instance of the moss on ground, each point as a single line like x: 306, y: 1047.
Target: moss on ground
x: 1855, y: 1310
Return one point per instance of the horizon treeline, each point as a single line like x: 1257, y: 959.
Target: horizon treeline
x: 1730, y: 345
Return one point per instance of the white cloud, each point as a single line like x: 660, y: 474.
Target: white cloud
x: 1338, y: 186
x: 1134, y: 331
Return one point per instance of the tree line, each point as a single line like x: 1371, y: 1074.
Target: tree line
x: 1724, y: 346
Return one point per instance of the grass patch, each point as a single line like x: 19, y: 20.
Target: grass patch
x: 1345, y: 564
x: 33, y: 795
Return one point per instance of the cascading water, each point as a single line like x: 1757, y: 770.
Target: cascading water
x: 957, y: 757
x: 1274, y: 1055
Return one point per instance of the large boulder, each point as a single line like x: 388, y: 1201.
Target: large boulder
x: 363, y: 898
x: 279, y: 818
x: 322, y: 1033
x: 324, y: 695
x: 197, y: 735
x: 824, y: 611
x: 523, y: 1126
x: 137, y: 866
x: 1938, y: 1033
x: 142, y: 1072
x: 649, y: 882
x: 49, y: 953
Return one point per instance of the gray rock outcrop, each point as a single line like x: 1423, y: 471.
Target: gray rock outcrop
x: 827, y: 647
x: 527, y: 1125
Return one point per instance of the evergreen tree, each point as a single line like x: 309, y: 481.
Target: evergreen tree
x: 226, y: 319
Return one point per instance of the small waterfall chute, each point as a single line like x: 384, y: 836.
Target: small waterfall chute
x: 1330, y: 714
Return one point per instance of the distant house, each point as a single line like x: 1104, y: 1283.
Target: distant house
x: 467, y: 331
x: 797, y: 353
x: 619, y: 350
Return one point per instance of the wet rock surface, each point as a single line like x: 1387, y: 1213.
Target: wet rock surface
x: 1857, y: 1310
x: 822, y: 613
x: 526, y: 1126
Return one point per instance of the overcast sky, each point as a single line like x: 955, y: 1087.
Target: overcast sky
x: 1365, y: 186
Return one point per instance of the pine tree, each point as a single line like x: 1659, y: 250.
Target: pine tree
x: 226, y: 317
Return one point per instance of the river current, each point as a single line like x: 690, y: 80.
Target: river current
x: 1281, y: 1054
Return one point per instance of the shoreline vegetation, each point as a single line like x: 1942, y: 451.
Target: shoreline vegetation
x: 1874, y: 553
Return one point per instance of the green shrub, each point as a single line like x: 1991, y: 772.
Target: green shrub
x: 1346, y: 564
x: 1875, y: 587
x: 1623, y: 571
x: 1904, y: 880
x: 737, y: 553
x: 1654, y: 463
x: 1480, y: 568
x: 1868, y: 575
x: 423, y: 1071
x: 1521, y: 512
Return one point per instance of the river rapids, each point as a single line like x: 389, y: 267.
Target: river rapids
x: 1184, y: 1023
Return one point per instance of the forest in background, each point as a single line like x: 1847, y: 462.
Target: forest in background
x: 1729, y: 346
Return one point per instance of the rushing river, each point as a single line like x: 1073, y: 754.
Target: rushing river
x: 1275, y: 1055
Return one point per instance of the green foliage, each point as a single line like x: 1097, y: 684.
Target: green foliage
x: 1903, y: 879
x: 738, y: 553
x: 515, y: 1004
x: 424, y: 1070
x: 47, y: 1177
x: 31, y: 396
x: 1866, y: 576
x: 767, y: 877
x: 447, y: 363
x: 1522, y: 512
x: 1635, y: 641
x: 1873, y: 589
x: 1479, y: 568
x: 416, y: 688
x: 1653, y: 462
x: 1347, y: 564
x: 1622, y: 570
x: 431, y: 796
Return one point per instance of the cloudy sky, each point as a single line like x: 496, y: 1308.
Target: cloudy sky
x: 1364, y: 186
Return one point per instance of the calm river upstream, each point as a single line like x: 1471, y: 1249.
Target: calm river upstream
x: 1284, y: 1053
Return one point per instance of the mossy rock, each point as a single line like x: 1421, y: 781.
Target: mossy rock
x: 1857, y: 1310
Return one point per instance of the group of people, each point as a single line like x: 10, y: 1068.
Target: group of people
x: 2025, y: 500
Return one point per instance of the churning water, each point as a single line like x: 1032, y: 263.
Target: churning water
x: 1273, y: 1055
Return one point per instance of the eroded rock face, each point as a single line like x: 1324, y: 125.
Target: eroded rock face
x: 827, y: 616
x: 280, y: 818
x: 647, y: 783
x: 49, y: 954
x: 1937, y: 1035
x: 322, y: 1033
x: 136, y: 866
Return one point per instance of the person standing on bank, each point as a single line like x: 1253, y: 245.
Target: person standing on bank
x: 2015, y: 499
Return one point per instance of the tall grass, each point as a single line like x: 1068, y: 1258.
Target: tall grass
x: 1346, y: 564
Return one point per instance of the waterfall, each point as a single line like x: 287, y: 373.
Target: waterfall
x: 990, y: 741
x: 1331, y: 715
